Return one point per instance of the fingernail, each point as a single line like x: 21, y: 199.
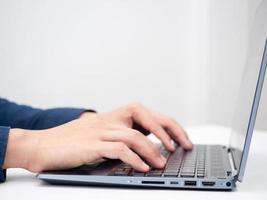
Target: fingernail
x: 173, y: 146
x: 145, y: 167
x: 163, y: 159
x: 189, y: 142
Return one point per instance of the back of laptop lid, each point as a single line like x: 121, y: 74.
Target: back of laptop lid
x: 250, y: 92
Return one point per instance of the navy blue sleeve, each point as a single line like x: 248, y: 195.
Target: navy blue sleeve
x: 3, y: 142
x: 26, y: 117
x: 21, y: 116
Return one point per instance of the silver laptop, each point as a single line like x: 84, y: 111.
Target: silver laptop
x: 205, y: 167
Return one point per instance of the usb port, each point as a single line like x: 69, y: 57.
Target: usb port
x: 190, y: 183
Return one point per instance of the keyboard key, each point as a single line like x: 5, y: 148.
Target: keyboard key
x: 179, y: 163
x: 120, y: 173
x: 135, y: 173
x: 155, y: 172
x: 188, y: 175
x: 170, y: 174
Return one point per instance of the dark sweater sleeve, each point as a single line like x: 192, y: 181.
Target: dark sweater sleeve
x: 3, y: 142
x: 26, y: 117
x: 21, y: 116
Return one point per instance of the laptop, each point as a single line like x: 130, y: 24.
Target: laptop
x: 214, y: 167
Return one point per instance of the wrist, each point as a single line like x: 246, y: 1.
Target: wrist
x: 20, y: 147
x: 87, y: 115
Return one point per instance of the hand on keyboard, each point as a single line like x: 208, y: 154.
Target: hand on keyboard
x: 180, y: 163
x: 116, y: 135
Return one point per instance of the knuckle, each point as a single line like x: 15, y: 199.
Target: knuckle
x: 136, y: 135
x: 157, y: 129
x: 134, y: 105
x: 171, y: 119
x: 121, y: 148
x: 135, y: 139
x: 153, y: 151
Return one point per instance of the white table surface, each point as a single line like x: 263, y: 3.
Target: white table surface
x: 21, y: 184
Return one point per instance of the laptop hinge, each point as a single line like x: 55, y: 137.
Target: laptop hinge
x: 233, y: 168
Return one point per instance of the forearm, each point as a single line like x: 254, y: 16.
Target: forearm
x: 20, y: 147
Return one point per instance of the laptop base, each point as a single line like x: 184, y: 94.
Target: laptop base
x: 218, y: 175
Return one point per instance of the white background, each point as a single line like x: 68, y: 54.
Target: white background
x: 181, y: 57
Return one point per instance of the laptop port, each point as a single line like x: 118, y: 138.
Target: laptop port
x: 208, y: 183
x: 190, y: 183
x: 228, y: 184
x: 153, y: 182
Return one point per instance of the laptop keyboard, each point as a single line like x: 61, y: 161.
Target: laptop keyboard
x: 180, y: 163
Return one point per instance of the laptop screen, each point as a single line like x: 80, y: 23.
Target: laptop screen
x: 250, y: 90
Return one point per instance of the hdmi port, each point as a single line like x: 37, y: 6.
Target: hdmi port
x: 208, y: 183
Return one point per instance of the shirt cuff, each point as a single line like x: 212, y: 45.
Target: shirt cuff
x: 4, y: 132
